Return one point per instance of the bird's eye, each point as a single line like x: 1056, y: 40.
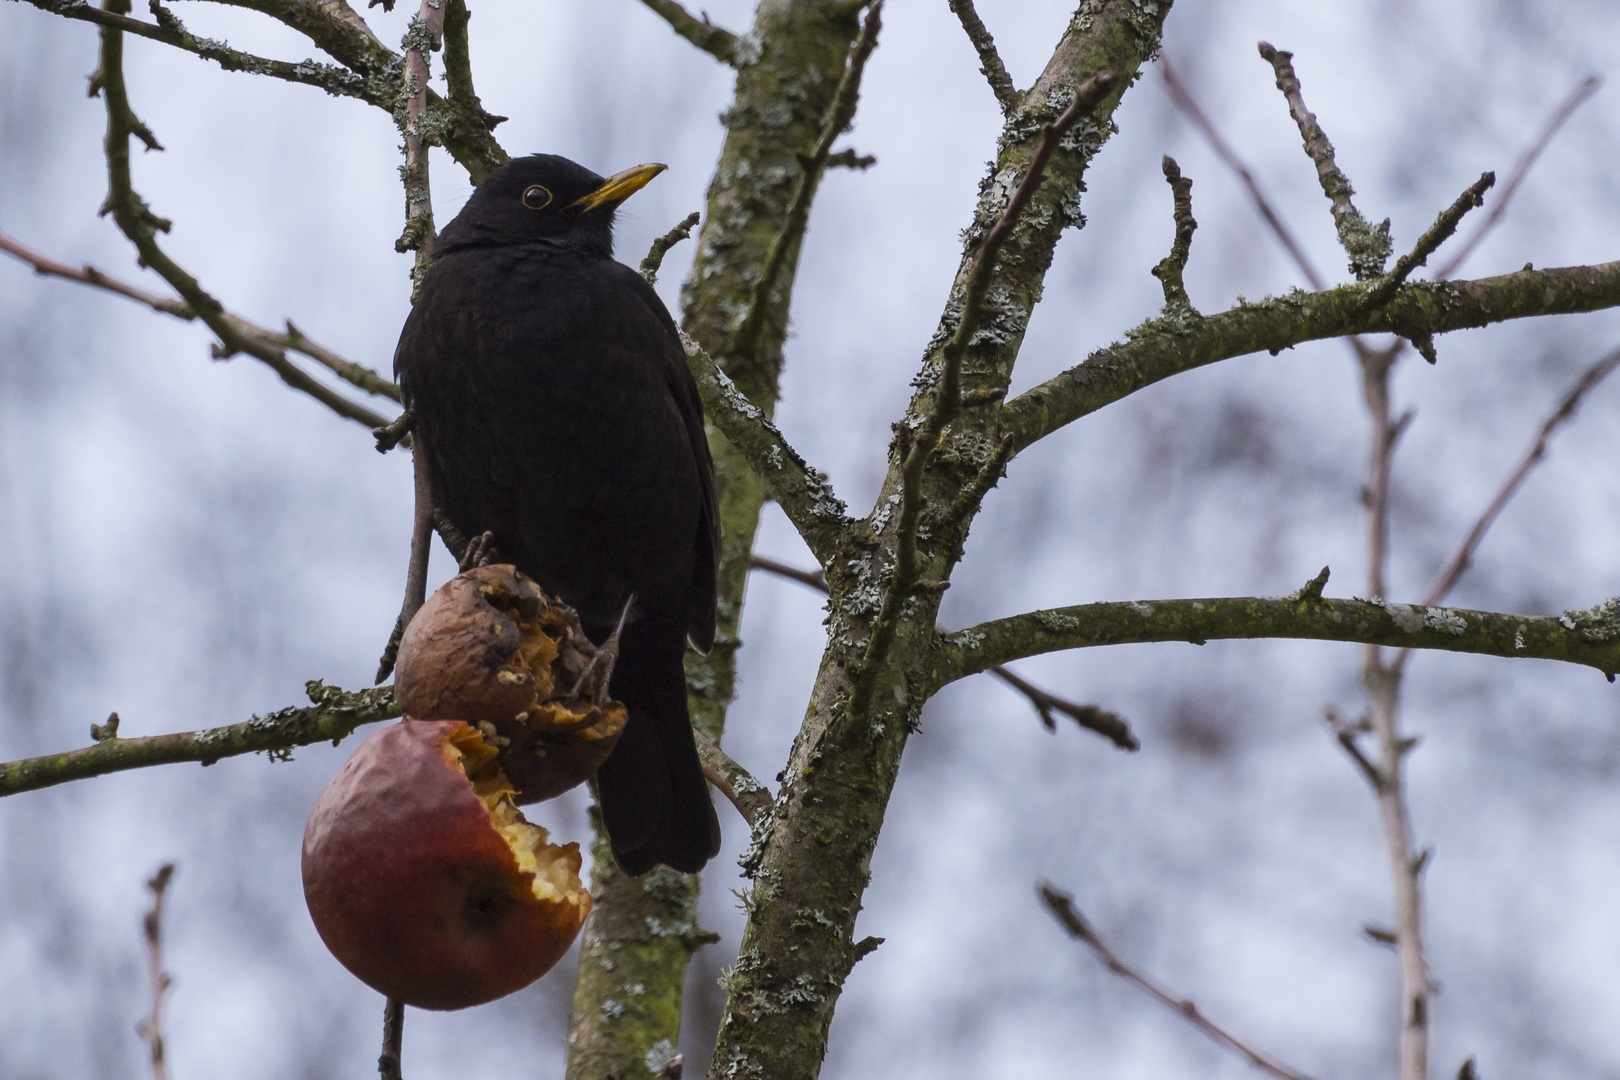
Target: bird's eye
x: 536, y: 197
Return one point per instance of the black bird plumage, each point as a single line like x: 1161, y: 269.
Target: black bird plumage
x: 557, y: 411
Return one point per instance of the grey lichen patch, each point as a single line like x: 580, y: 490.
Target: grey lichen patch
x: 1442, y: 619
x: 1057, y: 621
x: 1368, y: 245
x: 1408, y: 618
x: 1597, y: 624
x: 612, y: 1009
x: 966, y: 639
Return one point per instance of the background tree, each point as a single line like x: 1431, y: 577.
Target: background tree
x: 1264, y: 469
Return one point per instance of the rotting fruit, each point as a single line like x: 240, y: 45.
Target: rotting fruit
x: 489, y: 647
x: 426, y: 882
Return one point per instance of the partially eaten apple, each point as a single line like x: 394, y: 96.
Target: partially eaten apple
x: 424, y: 879
x: 489, y: 647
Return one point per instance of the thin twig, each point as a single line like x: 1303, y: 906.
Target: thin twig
x: 421, y: 39
x: 1521, y: 168
x: 1433, y: 237
x: 716, y: 41
x: 1061, y: 905
x: 151, y: 1029
x: 1368, y: 247
x: 1563, y: 414
x: 294, y: 339
x: 994, y: 71
x: 464, y: 104
x: 1169, y: 269
x: 388, y: 1062
x: 811, y: 166
x: 137, y: 222
x: 749, y: 796
x: 1109, y: 725
x: 660, y: 247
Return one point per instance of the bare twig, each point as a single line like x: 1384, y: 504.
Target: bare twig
x: 1367, y: 246
x: 660, y: 247
x: 1061, y: 905
x: 717, y: 42
x: 1169, y: 269
x: 423, y: 37
x: 1521, y: 168
x: 749, y: 796
x: 293, y: 339
x: 1433, y: 237
x: 458, y: 78
x: 1563, y: 414
x: 388, y: 1063
x: 151, y: 1029
x: 994, y: 71
x: 1109, y: 725
x: 1189, y: 105
x: 170, y: 31
x: 137, y: 222
x: 811, y: 166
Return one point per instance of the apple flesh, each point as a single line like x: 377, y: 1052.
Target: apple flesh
x: 423, y: 878
x: 489, y: 647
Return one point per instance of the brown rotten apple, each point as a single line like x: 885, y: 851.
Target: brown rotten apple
x: 424, y: 879
x: 490, y: 648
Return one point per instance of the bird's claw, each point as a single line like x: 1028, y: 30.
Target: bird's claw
x: 480, y: 552
x: 596, y: 676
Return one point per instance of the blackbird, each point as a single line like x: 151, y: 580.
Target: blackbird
x: 557, y: 412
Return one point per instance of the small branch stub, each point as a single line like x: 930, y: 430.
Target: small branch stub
x: 1169, y: 269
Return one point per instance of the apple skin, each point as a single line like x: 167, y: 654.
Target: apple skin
x: 412, y: 887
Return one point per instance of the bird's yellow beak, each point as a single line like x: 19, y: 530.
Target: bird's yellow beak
x: 618, y: 187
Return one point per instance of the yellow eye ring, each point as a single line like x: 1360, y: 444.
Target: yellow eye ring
x: 536, y: 197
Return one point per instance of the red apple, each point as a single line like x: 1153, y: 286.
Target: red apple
x: 426, y: 882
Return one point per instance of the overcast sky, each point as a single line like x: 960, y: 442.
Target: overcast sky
x: 187, y: 542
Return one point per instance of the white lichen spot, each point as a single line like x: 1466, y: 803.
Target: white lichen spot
x: 1141, y: 609
x: 1441, y: 619
x: 659, y: 1057
x: 1518, y: 637
x: 1408, y: 618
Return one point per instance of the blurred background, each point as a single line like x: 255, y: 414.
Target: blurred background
x: 186, y: 542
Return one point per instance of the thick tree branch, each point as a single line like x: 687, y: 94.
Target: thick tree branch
x: 802, y: 493
x: 1061, y: 905
x: 1590, y: 638
x: 714, y: 40
x: 1156, y: 350
x: 335, y: 714
x: 292, y: 339
x: 991, y: 67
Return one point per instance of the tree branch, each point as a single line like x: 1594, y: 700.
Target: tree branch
x: 1155, y: 351
x: 137, y: 222
x: 1109, y: 725
x: 293, y: 339
x: 802, y: 493
x: 1521, y: 168
x: 423, y: 37
x: 751, y: 798
x: 1061, y: 905
x: 335, y: 714
x: 1368, y: 247
x: 660, y: 247
x: 1590, y: 638
x: 811, y: 166
x: 1169, y: 269
x: 991, y: 67
x: 151, y: 1029
x: 716, y: 41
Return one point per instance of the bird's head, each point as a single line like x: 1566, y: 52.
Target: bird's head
x: 546, y: 197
